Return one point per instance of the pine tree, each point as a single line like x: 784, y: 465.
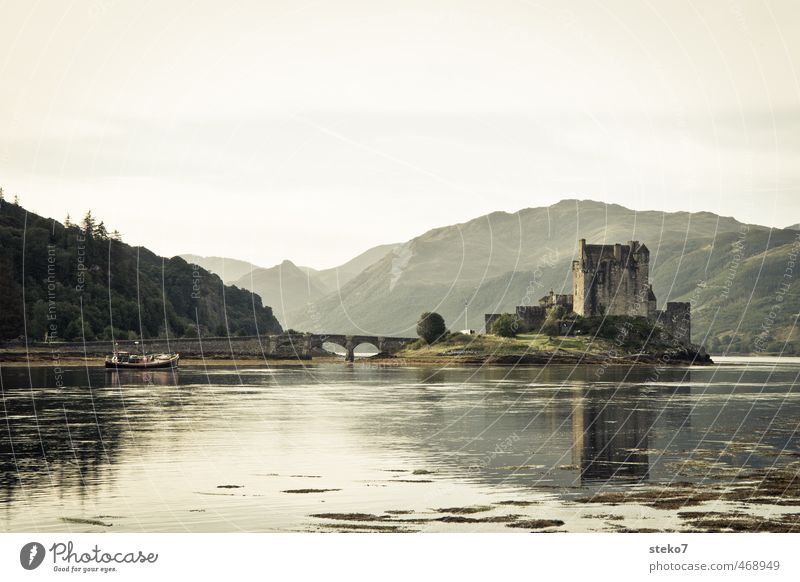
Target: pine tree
x: 88, y: 225
x: 67, y: 222
x: 1, y: 195
x: 115, y: 235
x: 100, y: 231
x: 16, y: 199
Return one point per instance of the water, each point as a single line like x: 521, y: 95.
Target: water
x: 217, y: 448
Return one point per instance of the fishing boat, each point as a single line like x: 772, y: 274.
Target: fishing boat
x: 126, y: 360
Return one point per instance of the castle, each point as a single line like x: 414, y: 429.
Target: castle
x: 609, y: 280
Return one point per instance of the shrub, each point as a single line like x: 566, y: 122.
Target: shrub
x: 507, y: 325
x: 552, y: 323
x: 431, y: 327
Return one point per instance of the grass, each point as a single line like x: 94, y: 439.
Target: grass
x: 463, y: 345
x: 612, y: 335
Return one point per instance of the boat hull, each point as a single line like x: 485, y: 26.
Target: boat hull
x: 153, y: 365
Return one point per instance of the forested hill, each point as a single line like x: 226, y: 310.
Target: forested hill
x: 77, y: 281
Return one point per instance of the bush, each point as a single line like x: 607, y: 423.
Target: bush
x: 507, y: 325
x: 552, y: 323
x: 431, y: 327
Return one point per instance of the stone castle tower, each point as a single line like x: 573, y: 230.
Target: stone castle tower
x: 612, y: 280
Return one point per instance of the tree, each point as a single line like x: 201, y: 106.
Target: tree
x: 74, y: 331
x: 551, y: 325
x: 88, y: 224
x: 11, y: 301
x: 507, y: 325
x: 1, y: 194
x: 67, y: 222
x: 115, y: 235
x: 431, y: 327
x: 100, y: 231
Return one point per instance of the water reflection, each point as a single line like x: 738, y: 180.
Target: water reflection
x: 135, y: 433
x: 545, y: 427
x: 610, y: 442
x: 144, y: 377
x: 66, y: 431
x: 547, y: 418
x: 58, y: 439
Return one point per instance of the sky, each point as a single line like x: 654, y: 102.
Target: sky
x: 311, y: 131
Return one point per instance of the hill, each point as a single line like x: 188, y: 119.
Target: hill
x: 287, y: 288
x: 336, y: 277
x: 293, y: 290
x: 229, y: 270
x: 72, y: 282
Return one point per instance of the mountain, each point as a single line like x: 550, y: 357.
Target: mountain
x: 230, y: 270
x: 337, y: 277
x: 794, y: 227
x: 730, y: 270
x: 287, y: 288
x: 79, y: 283
x: 292, y: 290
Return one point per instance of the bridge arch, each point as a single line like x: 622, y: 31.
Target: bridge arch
x: 366, y: 349
x: 352, y: 348
x: 335, y: 347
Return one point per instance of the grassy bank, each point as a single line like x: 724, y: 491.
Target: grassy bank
x: 541, y: 348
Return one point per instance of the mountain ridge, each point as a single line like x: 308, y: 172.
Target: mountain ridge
x: 229, y: 270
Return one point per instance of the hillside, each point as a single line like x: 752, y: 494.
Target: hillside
x: 286, y: 287
x: 229, y: 270
x: 501, y: 260
x: 336, y: 277
x: 293, y: 290
x: 73, y: 283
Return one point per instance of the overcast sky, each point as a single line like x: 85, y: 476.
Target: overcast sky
x: 315, y: 130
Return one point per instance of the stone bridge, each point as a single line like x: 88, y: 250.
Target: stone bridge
x: 385, y: 345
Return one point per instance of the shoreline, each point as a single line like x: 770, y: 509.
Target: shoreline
x: 532, y: 359
x: 39, y: 359
x: 561, y: 357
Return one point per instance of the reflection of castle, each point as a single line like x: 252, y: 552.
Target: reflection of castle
x: 609, y: 280
x: 610, y: 442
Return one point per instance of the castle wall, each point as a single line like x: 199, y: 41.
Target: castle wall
x: 532, y: 316
x: 676, y: 318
